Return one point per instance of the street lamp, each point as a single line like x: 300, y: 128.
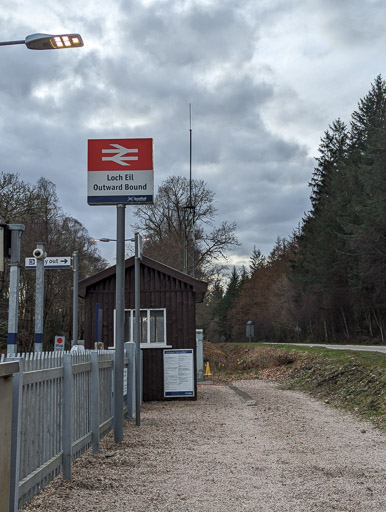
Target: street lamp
x: 110, y: 239
x: 32, y: 42
x: 48, y: 41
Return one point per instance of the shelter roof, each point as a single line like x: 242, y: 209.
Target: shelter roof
x: 198, y: 287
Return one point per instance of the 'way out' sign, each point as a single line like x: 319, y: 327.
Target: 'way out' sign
x: 54, y: 262
x: 120, y: 171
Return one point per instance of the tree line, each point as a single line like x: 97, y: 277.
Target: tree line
x: 37, y: 206
x: 327, y: 281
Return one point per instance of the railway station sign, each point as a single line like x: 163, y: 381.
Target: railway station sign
x: 120, y: 171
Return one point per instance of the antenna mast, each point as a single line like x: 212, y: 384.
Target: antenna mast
x: 189, y: 209
x: 192, y: 206
x: 190, y: 155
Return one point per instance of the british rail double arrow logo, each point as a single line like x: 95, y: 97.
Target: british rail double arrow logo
x: 119, y: 156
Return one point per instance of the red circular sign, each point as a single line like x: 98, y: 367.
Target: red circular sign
x: 59, y: 340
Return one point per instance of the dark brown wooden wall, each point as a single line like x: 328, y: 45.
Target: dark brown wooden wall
x: 158, y: 290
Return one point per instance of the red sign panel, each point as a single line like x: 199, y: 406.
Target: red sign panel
x: 120, y: 154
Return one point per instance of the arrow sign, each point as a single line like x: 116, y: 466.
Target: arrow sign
x: 119, y: 157
x: 55, y: 262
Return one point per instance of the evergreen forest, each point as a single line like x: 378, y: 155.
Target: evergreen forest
x: 327, y: 281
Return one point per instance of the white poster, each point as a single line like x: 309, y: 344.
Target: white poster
x: 178, y: 373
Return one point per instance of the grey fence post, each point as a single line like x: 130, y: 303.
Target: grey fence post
x: 95, y: 401
x: 17, y: 394
x: 200, y: 354
x: 113, y: 383
x: 130, y: 397
x: 141, y: 379
x: 67, y: 417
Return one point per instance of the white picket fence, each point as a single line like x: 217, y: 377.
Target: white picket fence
x: 62, y: 406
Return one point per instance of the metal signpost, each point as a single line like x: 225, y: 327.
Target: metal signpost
x: 120, y: 325
x: 40, y: 262
x: 75, y: 300
x: 120, y: 172
x: 137, y: 300
x: 39, y: 297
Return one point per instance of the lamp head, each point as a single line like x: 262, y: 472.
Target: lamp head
x: 50, y: 42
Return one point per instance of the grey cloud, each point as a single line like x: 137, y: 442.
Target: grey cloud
x: 247, y: 118
x: 352, y: 22
x: 200, y: 35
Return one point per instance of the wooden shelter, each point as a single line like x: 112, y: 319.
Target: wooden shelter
x: 168, y: 315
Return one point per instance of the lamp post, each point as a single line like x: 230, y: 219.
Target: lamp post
x: 32, y: 42
x: 48, y: 41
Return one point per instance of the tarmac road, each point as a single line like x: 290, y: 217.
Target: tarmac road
x: 364, y: 348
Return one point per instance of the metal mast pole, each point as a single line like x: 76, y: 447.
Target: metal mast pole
x: 190, y: 154
x: 189, y: 209
x: 185, y: 242
x: 75, y: 300
x: 120, y: 325
x: 14, y: 276
x: 39, y: 299
x: 137, y: 299
x: 191, y: 206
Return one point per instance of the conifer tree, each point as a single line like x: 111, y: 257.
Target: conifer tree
x: 257, y: 260
x: 364, y: 218
x: 342, y: 246
x: 319, y: 264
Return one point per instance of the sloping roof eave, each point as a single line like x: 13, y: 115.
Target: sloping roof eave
x: 199, y: 287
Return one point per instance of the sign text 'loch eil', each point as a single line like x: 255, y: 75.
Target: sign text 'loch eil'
x: 120, y: 171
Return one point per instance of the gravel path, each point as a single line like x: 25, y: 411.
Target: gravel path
x: 287, y: 452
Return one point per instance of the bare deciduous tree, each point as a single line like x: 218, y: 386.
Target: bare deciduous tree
x: 168, y: 225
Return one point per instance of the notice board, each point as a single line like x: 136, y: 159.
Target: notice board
x: 178, y: 373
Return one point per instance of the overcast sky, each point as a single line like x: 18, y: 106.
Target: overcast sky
x: 265, y: 79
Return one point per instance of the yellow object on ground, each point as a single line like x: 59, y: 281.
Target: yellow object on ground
x: 207, y: 369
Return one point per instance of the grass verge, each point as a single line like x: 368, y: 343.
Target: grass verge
x: 355, y: 381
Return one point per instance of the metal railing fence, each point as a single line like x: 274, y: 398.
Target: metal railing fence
x: 62, y: 406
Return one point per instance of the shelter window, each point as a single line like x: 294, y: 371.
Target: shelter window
x: 152, y: 325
